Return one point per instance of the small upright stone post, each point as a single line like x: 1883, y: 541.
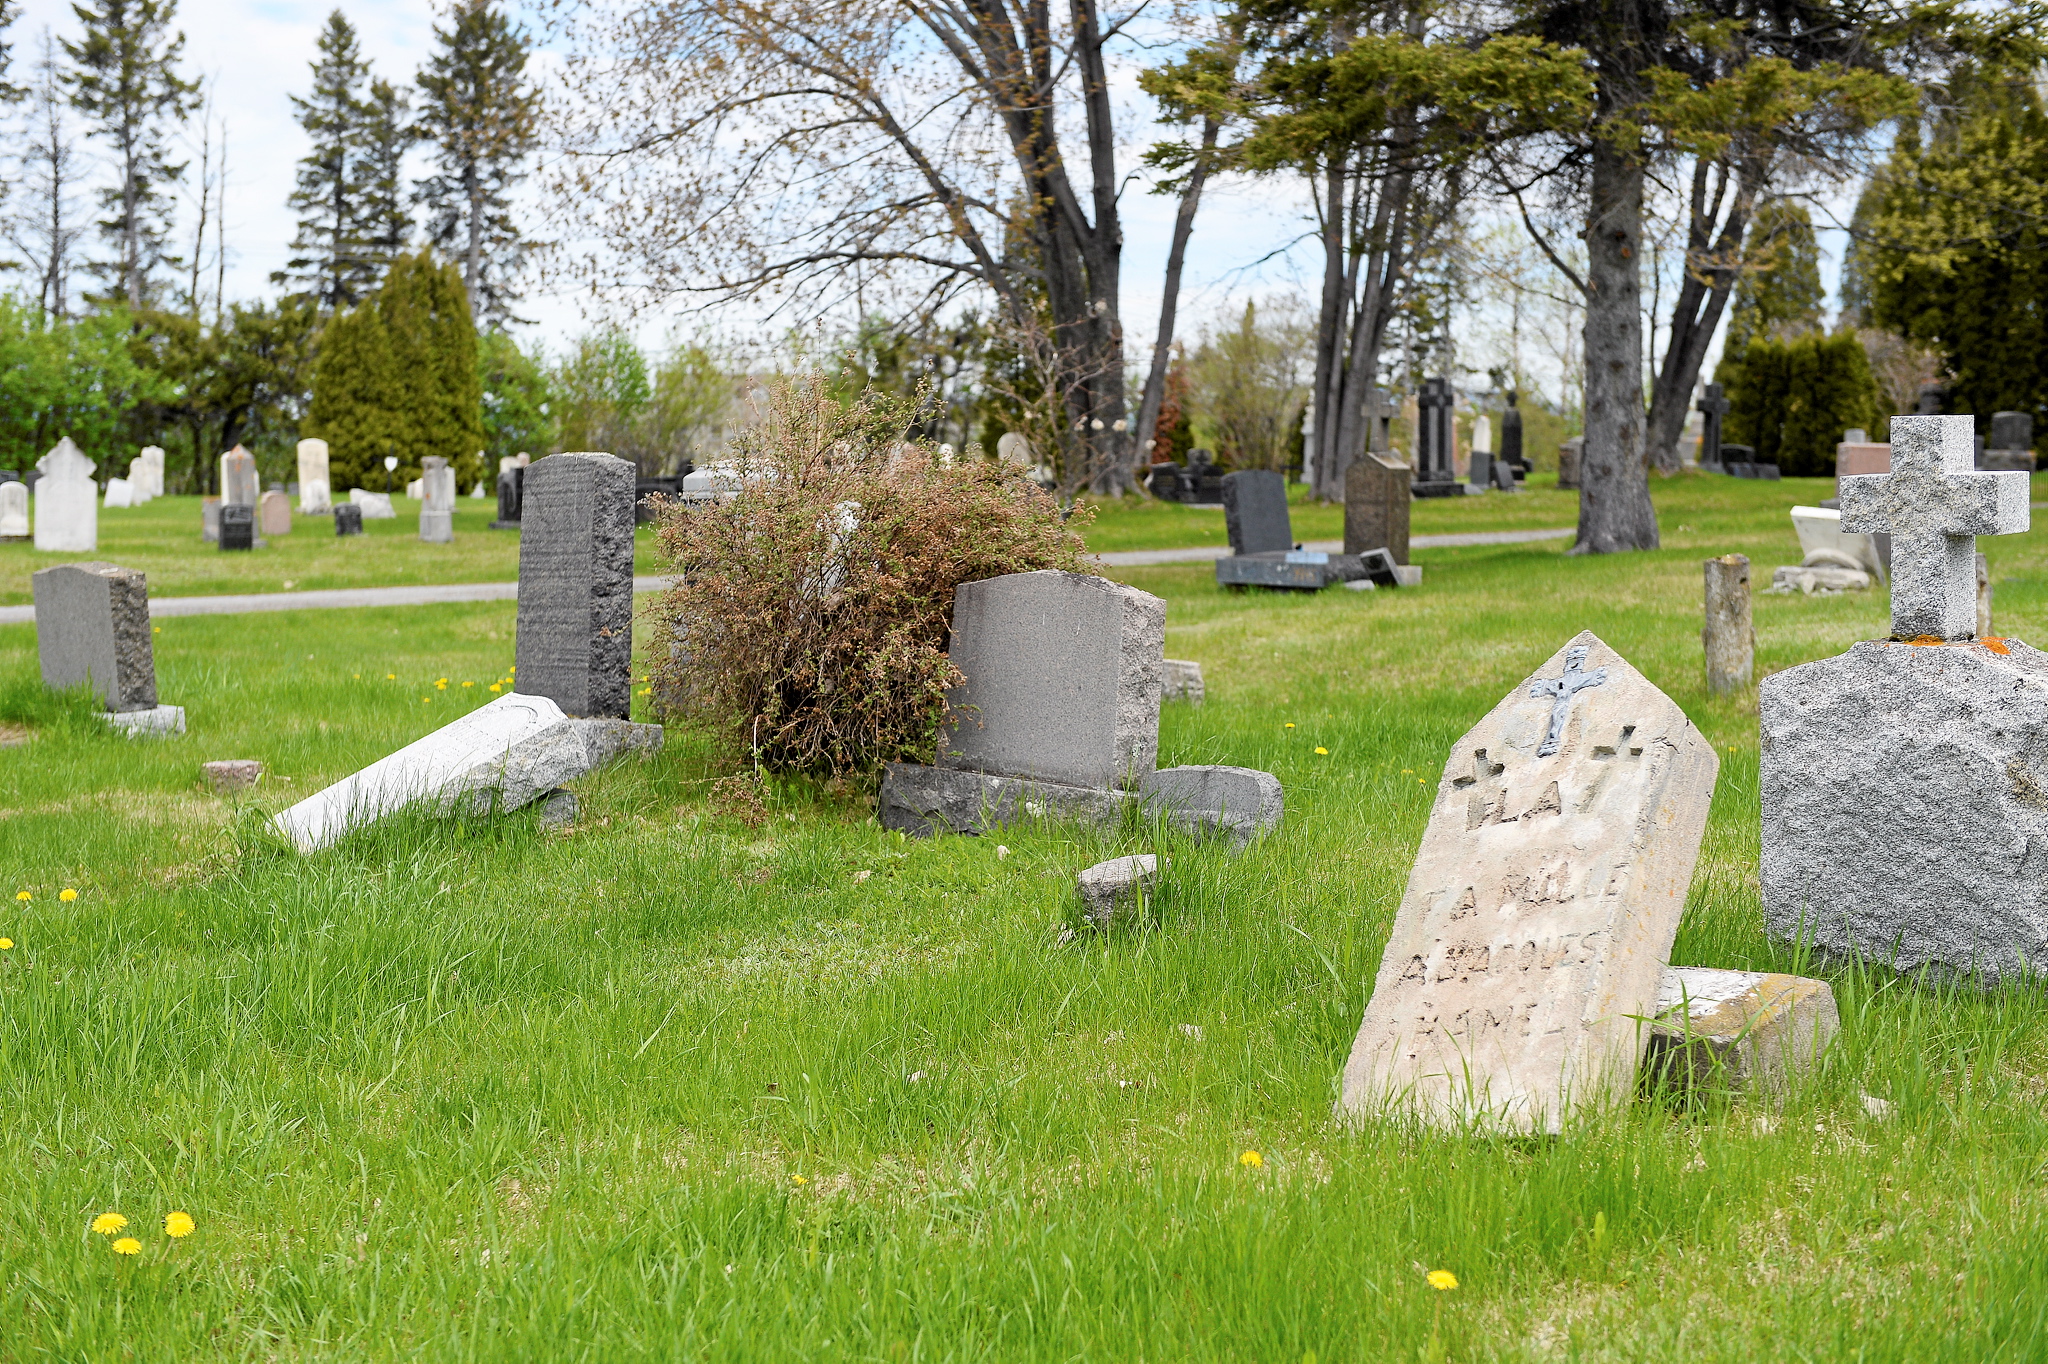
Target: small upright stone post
x: 1729, y: 636
x: 1984, y: 630
x: 575, y: 642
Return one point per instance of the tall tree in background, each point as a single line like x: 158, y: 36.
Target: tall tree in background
x: 329, y: 185
x: 481, y: 113
x: 1780, y: 295
x: 124, y: 80
x: 44, y: 226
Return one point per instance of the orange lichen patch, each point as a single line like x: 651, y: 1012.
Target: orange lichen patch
x: 1925, y: 640
x: 1996, y: 646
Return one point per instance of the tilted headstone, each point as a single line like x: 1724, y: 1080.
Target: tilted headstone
x: 511, y: 482
x: 238, y: 482
x: 575, y: 640
x: 1542, y: 907
x: 274, y: 514
x: 1376, y: 505
x: 1713, y: 408
x: 92, y: 627
x: 316, y: 489
x: 1903, y: 783
x: 67, y: 502
x: 374, y: 506
x: 1063, y: 676
x: 348, y: 519
x: 13, y: 510
x: 237, y: 526
x: 437, y: 517
x: 1255, y: 512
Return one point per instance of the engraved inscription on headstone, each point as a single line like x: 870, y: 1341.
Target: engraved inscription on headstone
x: 1537, y: 921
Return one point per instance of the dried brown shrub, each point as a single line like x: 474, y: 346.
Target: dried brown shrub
x: 810, y: 618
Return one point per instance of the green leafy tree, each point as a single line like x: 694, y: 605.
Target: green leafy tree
x: 397, y: 375
x: 1780, y: 294
x: 58, y: 378
x: 517, y: 410
x: 1250, y: 384
x: 241, y: 381
x: 602, y: 391
x: 482, y: 114
x: 124, y: 80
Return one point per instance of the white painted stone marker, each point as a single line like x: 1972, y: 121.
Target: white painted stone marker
x: 1527, y: 951
x: 1934, y: 503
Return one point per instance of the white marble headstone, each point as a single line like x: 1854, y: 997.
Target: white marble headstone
x: 13, y: 510
x: 120, y: 493
x: 316, y: 490
x: 67, y: 502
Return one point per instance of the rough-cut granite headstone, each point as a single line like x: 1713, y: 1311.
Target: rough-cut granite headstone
x: 67, y: 502
x: 437, y: 517
x: 1062, y: 677
x: 274, y: 514
x: 239, y: 486
x: 348, y: 519
x: 1542, y: 905
x: 1376, y: 504
x: 1934, y: 504
x: 501, y: 756
x: 13, y: 510
x: 1739, y: 1031
x: 575, y: 643
x: 1181, y: 680
x: 1255, y: 512
x: 316, y: 492
x: 231, y: 774
x: 92, y: 626
x: 1117, y: 889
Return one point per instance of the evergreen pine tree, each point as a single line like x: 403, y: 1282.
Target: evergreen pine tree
x: 355, y: 406
x: 1779, y: 294
x: 481, y: 113
x: 329, y: 185
x: 123, y: 79
x: 386, y: 135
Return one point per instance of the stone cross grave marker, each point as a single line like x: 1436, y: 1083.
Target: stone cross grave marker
x: 575, y: 632
x: 67, y: 502
x: 1934, y: 504
x: 316, y: 478
x: 1380, y: 411
x: 13, y: 510
x: 1255, y: 512
x: 1526, y: 955
x: 437, y: 517
x: 1435, y: 471
x: 92, y: 627
x: 1712, y: 408
x: 1376, y: 506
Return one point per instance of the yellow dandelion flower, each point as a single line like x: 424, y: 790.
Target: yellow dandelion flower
x: 67, y: 895
x: 799, y: 1180
x: 357, y: 676
x: 158, y: 629
x: 1251, y: 1160
x: 469, y: 684
x: 1290, y: 724
x: 6, y: 944
x: 23, y: 895
x: 513, y: 671
x: 179, y: 1224
x: 496, y: 687
x: 390, y: 677
x: 1322, y: 752
x: 107, y: 1223
x: 1442, y: 1280
x: 127, y: 1245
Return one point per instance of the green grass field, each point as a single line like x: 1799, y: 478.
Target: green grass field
x: 663, y: 1086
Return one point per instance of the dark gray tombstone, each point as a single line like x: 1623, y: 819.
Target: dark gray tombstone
x: 511, y: 496
x: 1435, y: 475
x: 575, y: 640
x: 2012, y: 431
x: 92, y: 626
x: 1163, y: 481
x: 1255, y: 510
x: 1203, y: 482
x: 1736, y: 461
x: 348, y: 519
x: 1376, y: 503
x: 1933, y: 400
x: 237, y: 526
x: 1713, y: 407
x: 1511, y: 439
x: 9, y: 476
x: 1570, y: 454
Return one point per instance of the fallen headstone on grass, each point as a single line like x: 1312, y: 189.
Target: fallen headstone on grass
x: 501, y: 756
x: 1542, y: 906
x: 231, y: 774
x: 1739, y: 1032
x: 92, y: 629
x: 375, y: 506
x: 1263, y: 553
x: 1116, y: 890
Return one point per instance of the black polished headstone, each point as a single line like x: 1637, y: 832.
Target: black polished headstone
x: 237, y: 526
x: 511, y: 497
x: 1735, y: 459
x: 348, y: 519
x: 1713, y: 407
x: 1435, y: 474
x: 1255, y: 511
x: 1511, y: 438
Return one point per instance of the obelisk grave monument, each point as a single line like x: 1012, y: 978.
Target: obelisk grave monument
x: 1905, y: 782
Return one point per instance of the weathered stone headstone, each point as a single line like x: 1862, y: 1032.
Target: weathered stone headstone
x: 1903, y: 789
x: 67, y: 502
x: 1380, y: 411
x: 437, y: 517
x: 1376, y: 504
x: 316, y: 488
x: 238, y: 483
x: 237, y: 526
x: 1542, y: 906
x: 13, y: 510
x: 120, y: 493
x: 1012, y: 448
x: 92, y: 628
x: 229, y: 775
x: 1062, y: 679
x: 1824, y: 544
x: 1739, y: 1032
x: 1713, y: 407
x: 575, y: 641
x: 1569, y: 453
x: 348, y: 519
x: 511, y: 480
x: 1435, y: 443
x: 2011, y: 443
x: 1181, y: 680
x: 501, y: 756
x: 1117, y: 890
x: 274, y: 514
x: 152, y: 471
x: 209, y: 519
x: 137, y: 480
x: 374, y: 506
x: 1255, y: 512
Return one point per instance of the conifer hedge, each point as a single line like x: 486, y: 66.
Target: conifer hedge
x: 1792, y: 400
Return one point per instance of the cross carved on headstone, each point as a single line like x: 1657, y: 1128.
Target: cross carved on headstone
x: 1935, y: 504
x: 1562, y: 689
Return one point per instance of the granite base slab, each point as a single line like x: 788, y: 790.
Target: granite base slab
x: 1238, y: 802
x: 156, y: 722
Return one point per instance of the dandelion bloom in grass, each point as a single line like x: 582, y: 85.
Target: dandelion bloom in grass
x: 1251, y: 1160
x: 1322, y: 752
x: 798, y: 1179
x: 127, y: 1245
x: 67, y: 895
x: 107, y: 1223
x: 390, y: 677
x: 469, y: 684
x: 179, y: 1224
x: 23, y: 895
x: 1290, y: 724
x: 496, y: 687
x: 1442, y: 1280
x: 6, y: 944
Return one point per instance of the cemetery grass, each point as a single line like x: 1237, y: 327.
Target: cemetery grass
x: 666, y: 1085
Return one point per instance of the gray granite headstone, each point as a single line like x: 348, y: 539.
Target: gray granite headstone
x: 92, y: 627
x: 1255, y: 511
x: 437, y: 517
x: 348, y: 519
x: 1063, y: 674
x: 575, y: 643
x: 237, y: 526
x: 2012, y: 431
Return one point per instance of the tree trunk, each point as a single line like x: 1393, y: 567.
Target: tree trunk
x: 1614, y: 491
x: 1330, y: 321
x: 1169, y: 300
x: 1384, y: 260
x: 1712, y: 263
